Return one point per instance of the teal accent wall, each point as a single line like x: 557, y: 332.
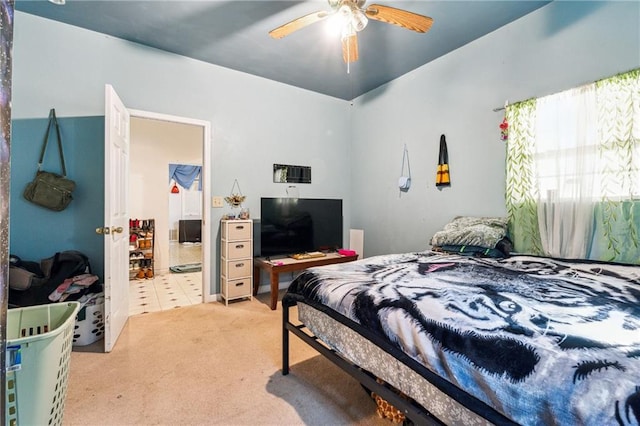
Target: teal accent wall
x: 35, y: 232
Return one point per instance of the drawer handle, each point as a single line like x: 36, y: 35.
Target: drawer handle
x: 239, y: 265
x: 239, y: 246
x: 239, y: 284
x: 239, y: 227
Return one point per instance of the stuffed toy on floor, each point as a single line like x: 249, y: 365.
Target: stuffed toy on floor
x: 388, y: 411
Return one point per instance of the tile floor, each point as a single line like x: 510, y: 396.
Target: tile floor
x: 169, y: 290
x: 164, y: 292
x: 185, y: 253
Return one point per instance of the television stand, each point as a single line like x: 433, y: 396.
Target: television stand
x: 287, y: 264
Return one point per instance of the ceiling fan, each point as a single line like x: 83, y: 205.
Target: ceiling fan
x: 354, y: 17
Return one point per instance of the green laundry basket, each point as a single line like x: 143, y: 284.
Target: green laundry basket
x: 39, y: 340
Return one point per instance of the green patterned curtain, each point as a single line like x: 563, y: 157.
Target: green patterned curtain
x: 521, y: 191
x: 617, y: 215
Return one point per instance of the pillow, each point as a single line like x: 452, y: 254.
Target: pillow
x: 483, y: 232
x: 502, y: 249
x: 505, y: 246
x: 470, y: 251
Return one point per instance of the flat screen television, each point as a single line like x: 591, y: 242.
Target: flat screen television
x: 299, y: 225
x: 189, y: 231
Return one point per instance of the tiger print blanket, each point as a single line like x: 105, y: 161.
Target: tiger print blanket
x: 541, y: 340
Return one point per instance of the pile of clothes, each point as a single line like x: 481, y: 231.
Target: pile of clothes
x: 66, y: 276
x: 73, y: 285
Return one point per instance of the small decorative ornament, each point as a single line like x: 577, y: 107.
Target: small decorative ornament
x: 504, y: 130
x: 235, y: 199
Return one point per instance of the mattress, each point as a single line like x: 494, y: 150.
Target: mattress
x: 538, y: 340
x: 362, y: 352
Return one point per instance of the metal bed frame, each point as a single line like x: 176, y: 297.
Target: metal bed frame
x: 413, y: 411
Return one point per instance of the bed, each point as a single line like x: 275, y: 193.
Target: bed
x: 468, y: 340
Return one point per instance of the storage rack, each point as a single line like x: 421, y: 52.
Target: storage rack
x: 141, y: 245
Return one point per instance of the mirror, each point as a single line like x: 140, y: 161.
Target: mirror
x: 284, y: 173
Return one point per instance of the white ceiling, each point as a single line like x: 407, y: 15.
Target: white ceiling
x: 234, y: 34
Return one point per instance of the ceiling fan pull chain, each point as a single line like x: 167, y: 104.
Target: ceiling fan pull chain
x: 348, y: 56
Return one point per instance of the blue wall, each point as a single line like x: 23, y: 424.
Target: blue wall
x: 257, y: 122
x: 559, y: 46
x: 37, y: 233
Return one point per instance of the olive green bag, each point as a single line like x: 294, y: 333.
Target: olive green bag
x: 47, y: 189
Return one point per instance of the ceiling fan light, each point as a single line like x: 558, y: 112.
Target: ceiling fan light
x: 358, y: 20
x: 334, y: 25
x: 347, y: 30
x: 345, y: 11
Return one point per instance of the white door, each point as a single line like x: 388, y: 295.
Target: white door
x: 192, y: 202
x: 116, y: 217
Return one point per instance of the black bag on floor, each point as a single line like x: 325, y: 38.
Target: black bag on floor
x: 56, y: 269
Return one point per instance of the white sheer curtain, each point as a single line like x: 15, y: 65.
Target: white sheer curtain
x: 565, y: 168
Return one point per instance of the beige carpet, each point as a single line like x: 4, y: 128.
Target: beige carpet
x: 211, y: 364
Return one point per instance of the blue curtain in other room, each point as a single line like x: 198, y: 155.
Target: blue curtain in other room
x: 184, y: 175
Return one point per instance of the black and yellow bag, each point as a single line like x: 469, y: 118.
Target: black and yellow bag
x: 442, y: 176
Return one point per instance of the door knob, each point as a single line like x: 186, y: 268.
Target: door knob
x: 117, y: 230
x: 103, y: 231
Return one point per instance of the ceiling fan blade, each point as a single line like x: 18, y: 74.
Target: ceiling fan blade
x: 391, y: 15
x: 298, y: 23
x: 350, y: 48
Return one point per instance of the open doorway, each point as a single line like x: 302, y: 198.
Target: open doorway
x: 157, y: 142
x: 185, y: 218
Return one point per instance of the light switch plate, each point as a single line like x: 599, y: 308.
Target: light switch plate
x: 217, y: 202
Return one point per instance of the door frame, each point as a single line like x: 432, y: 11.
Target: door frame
x: 207, y: 295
